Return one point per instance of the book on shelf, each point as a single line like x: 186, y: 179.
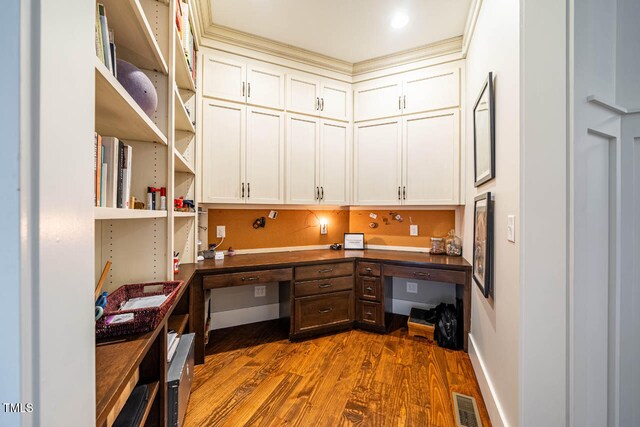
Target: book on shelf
x: 97, y: 166
x: 105, y: 41
x: 113, y: 173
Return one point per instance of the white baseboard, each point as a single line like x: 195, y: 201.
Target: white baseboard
x: 491, y: 401
x: 243, y: 316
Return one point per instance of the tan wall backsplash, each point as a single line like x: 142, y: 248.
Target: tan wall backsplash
x: 301, y: 227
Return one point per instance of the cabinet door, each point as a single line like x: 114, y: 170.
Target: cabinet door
x: 265, y: 156
x: 335, y: 161
x: 377, y: 153
x: 303, y: 95
x: 224, y: 78
x: 429, y: 91
x: 265, y: 87
x: 223, y: 140
x: 302, y: 159
x: 378, y: 99
x: 335, y: 100
x: 432, y: 158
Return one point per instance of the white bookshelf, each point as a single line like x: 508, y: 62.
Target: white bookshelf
x: 183, y: 74
x: 183, y: 121
x: 117, y: 213
x: 182, y: 165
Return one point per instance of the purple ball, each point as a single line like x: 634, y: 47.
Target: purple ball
x: 138, y: 85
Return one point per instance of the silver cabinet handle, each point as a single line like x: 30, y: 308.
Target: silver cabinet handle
x: 417, y: 273
x: 405, y: 102
x: 326, y: 310
x: 249, y: 90
x: 250, y: 279
x: 404, y: 193
x: 368, y: 288
x: 368, y: 269
x: 243, y: 88
x: 325, y: 270
x: 317, y: 193
x: 243, y: 190
x: 248, y: 190
x: 325, y: 285
x: 321, y: 104
x: 321, y: 193
x: 399, y: 198
x: 399, y: 103
x: 317, y: 103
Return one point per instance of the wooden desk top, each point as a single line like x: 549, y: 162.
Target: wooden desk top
x: 117, y: 360
x: 319, y: 256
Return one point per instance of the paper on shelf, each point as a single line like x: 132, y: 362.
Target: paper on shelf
x: 144, y: 302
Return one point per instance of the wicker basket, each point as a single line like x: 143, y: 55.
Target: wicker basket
x: 144, y: 319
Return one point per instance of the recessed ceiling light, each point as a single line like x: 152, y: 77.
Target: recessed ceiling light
x: 400, y: 20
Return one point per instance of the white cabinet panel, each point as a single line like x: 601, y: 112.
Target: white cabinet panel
x: 303, y: 94
x: 335, y: 156
x: 378, y: 99
x: 224, y: 78
x: 377, y: 153
x: 223, y: 139
x: 431, y: 151
x: 426, y: 91
x: 265, y: 87
x: 265, y: 156
x: 335, y: 100
x: 302, y: 159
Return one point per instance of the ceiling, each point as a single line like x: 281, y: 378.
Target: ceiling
x: 349, y: 30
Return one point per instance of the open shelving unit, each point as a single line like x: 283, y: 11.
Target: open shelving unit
x: 140, y: 243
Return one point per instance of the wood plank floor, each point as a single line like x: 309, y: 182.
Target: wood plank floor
x: 253, y: 375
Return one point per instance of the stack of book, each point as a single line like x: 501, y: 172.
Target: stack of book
x: 186, y: 35
x: 112, y: 167
x: 105, y: 45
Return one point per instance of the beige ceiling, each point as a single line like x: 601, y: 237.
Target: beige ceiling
x: 349, y: 30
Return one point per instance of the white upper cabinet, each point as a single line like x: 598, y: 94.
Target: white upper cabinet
x: 264, y: 156
x: 303, y: 134
x: 378, y: 99
x: 265, y: 86
x: 224, y: 78
x: 378, y: 162
x: 335, y: 162
x: 223, y: 146
x: 237, y: 79
x: 316, y: 96
x: 431, y: 158
x: 303, y: 94
x: 429, y: 91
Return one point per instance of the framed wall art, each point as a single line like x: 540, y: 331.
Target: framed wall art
x: 483, y: 243
x: 484, y: 134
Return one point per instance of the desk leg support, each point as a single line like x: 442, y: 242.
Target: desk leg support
x: 196, y: 314
x: 463, y: 291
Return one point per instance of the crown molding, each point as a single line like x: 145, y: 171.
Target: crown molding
x: 470, y: 26
x: 209, y: 30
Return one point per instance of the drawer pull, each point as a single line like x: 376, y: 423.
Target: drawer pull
x: 368, y: 314
x: 368, y: 288
x: 325, y: 285
x: 250, y: 279
x: 368, y: 269
x: 326, y: 310
x: 417, y: 273
x: 325, y: 270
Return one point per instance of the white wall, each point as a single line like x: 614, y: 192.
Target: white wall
x: 495, y: 321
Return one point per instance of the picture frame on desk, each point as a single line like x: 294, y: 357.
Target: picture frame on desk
x: 354, y: 241
x: 482, y: 266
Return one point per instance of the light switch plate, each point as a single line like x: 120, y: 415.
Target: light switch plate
x: 260, y: 291
x: 323, y: 228
x: 413, y: 230
x: 511, y: 228
x: 221, y: 231
x: 412, y: 288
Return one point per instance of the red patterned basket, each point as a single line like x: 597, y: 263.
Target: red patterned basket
x: 144, y: 319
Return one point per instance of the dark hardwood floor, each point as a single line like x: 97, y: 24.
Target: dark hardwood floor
x: 254, y: 376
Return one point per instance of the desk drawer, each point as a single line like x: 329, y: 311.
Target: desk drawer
x: 323, y: 271
x: 369, y: 269
x: 369, y: 288
x: 317, y: 287
x: 370, y: 313
x: 418, y: 273
x: 323, y: 310
x: 247, y: 278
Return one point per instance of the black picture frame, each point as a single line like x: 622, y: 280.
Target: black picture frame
x: 482, y: 257
x: 360, y: 237
x: 489, y: 140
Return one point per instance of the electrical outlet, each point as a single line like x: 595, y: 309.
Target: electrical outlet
x: 412, y: 288
x: 259, y: 291
x: 413, y: 230
x: 511, y: 228
x: 221, y: 231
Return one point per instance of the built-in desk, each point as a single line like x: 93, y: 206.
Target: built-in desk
x: 324, y: 290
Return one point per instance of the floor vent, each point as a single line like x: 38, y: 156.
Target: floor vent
x: 466, y: 411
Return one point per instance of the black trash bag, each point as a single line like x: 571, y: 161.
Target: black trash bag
x: 446, y: 327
